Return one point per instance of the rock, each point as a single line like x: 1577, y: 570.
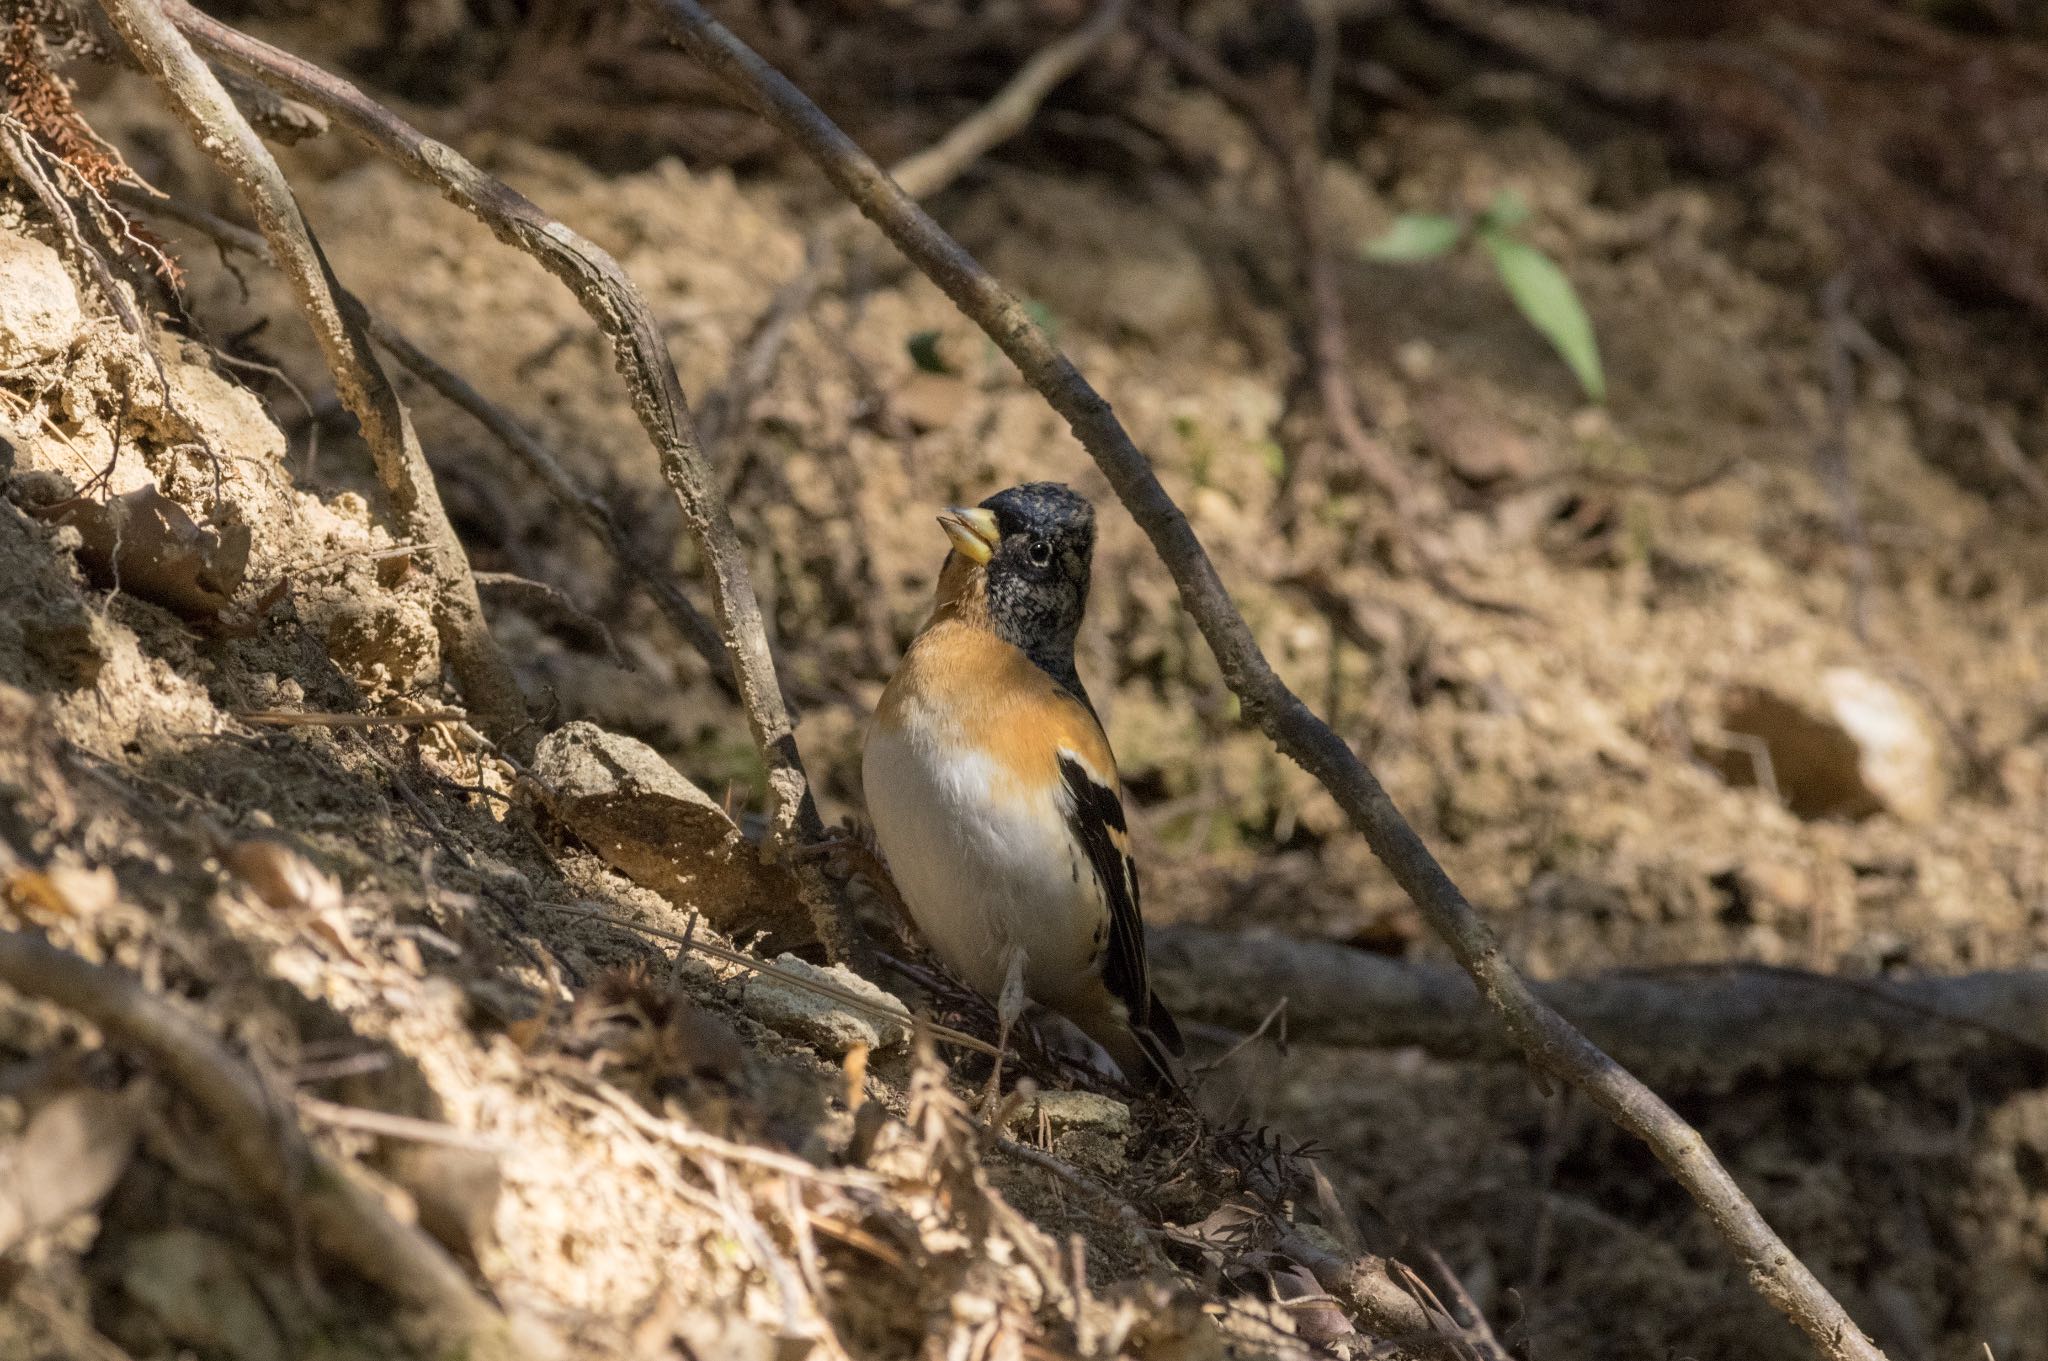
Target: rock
x: 1856, y: 747
x: 1481, y: 448
x: 39, y: 314
x: 823, y: 1022
x: 1062, y: 1112
x: 664, y: 833
x: 1898, y: 756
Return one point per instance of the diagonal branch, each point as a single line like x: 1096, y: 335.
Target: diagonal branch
x: 642, y: 358
x: 921, y: 175
x: 1552, y: 1044
x: 199, y: 100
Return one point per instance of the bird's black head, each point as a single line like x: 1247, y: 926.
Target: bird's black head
x: 1035, y: 543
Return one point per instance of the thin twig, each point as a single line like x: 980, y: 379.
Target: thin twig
x: 641, y: 353
x: 551, y: 606
x: 1010, y: 111
x: 1552, y: 1044
x: 844, y: 996
x: 263, y: 1143
x: 196, y: 95
x: 387, y: 1125
x: 1295, y: 147
x: 281, y: 718
x: 922, y: 174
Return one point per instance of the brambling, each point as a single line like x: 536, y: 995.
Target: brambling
x: 993, y: 791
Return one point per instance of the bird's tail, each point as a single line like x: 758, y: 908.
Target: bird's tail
x: 1160, y: 1047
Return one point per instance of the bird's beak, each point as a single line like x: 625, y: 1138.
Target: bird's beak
x: 972, y: 530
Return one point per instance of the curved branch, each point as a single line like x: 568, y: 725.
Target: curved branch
x: 938, y: 165
x: 642, y: 358
x: 196, y: 96
x: 263, y: 1141
x: 1551, y: 1043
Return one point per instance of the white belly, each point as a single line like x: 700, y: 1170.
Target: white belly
x: 982, y: 870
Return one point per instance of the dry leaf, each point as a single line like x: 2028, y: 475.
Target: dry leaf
x: 144, y: 543
x: 280, y: 876
x: 63, y: 890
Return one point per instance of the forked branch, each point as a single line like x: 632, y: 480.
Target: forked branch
x: 1551, y: 1043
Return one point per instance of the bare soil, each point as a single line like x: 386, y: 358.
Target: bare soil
x: 1666, y: 587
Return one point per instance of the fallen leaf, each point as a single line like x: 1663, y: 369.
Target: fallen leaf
x: 144, y: 543
x: 280, y: 876
x: 63, y: 890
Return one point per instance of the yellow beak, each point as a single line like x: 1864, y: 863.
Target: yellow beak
x: 972, y: 530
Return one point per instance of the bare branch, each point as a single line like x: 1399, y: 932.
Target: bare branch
x: 198, y: 98
x: 263, y: 1142
x: 1552, y: 1044
x: 641, y: 355
x: 921, y: 175
x: 1704, y: 1026
x: 1010, y: 112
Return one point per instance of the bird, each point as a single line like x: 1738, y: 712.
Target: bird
x: 994, y: 794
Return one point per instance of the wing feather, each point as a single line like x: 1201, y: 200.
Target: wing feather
x: 1096, y: 815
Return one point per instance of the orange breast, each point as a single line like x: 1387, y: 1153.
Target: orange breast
x: 960, y: 683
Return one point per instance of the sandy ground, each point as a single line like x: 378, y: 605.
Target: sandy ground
x: 1584, y: 761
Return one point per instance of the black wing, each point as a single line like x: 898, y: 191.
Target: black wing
x: 1097, y: 819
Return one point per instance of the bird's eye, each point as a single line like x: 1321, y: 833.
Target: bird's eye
x: 1041, y: 553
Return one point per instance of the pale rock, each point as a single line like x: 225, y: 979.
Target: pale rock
x: 39, y: 314
x: 1899, y: 757
x: 659, y: 830
x: 823, y: 1022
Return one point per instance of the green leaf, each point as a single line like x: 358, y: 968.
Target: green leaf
x: 1546, y: 297
x: 1507, y: 212
x: 924, y: 352
x: 1415, y: 236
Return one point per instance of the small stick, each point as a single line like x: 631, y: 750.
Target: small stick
x: 921, y: 174
x: 196, y: 95
x: 279, y: 718
x: 392, y: 1126
x: 689, y: 941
